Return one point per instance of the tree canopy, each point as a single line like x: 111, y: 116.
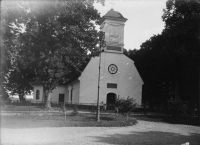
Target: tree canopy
x: 47, y: 40
x: 169, y: 62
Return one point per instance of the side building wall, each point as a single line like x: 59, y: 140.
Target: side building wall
x: 60, y: 89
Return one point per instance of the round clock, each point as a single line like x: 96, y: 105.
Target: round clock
x: 112, y: 69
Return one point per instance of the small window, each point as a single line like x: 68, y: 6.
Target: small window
x: 110, y: 85
x: 38, y: 94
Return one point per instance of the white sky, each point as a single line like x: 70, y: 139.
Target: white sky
x: 144, y: 18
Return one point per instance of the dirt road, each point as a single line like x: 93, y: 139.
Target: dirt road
x: 143, y: 133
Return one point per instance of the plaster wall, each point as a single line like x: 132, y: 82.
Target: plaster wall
x: 60, y: 89
x: 88, y: 82
x: 127, y: 78
x: 75, y: 91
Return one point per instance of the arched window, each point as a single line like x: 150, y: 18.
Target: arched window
x: 38, y: 94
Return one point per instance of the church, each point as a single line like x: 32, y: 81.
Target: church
x: 117, y: 77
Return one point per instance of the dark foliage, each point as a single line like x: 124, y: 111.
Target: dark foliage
x: 48, y: 40
x: 177, y: 107
x: 169, y: 62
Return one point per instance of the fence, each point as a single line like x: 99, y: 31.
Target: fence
x: 29, y: 106
x: 83, y: 106
x: 36, y: 106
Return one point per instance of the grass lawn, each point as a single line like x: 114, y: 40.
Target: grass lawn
x: 20, y: 108
x: 58, y: 120
x: 15, y: 108
x: 55, y: 119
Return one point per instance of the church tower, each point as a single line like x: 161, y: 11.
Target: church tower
x: 113, y: 25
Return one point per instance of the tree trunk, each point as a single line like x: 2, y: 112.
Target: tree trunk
x: 126, y: 116
x: 47, y: 99
x: 21, y: 97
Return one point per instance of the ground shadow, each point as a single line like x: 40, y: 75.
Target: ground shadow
x: 171, y: 120
x: 102, y: 118
x: 150, y: 138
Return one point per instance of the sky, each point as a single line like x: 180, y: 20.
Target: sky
x: 144, y: 19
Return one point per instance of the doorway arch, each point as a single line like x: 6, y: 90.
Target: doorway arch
x: 111, y: 98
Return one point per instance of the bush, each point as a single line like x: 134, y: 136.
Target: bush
x: 177, y: 107
x: 125, y: 106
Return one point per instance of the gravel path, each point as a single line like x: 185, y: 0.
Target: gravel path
x: 143, y: 133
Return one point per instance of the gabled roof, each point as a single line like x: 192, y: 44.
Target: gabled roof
x: 69, y: 78
x: 37, y: 82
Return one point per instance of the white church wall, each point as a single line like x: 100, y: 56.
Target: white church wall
x: 128, y: 80
x: 88, y: 82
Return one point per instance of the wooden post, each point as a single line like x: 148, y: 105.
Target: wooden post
x: 29, y: 108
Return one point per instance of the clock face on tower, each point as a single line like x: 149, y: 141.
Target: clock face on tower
x: 112, y: 69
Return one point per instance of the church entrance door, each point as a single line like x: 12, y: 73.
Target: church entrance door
x: 111, y: 98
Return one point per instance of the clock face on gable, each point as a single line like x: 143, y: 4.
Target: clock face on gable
x: 112, y: 69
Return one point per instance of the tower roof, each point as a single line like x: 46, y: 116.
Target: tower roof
x: 114, y: 15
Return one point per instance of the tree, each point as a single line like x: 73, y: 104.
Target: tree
x: 18, y: 82
x: 182, y: 19
x: 50, y: 39
x: 154, y: 67
x: 168, y: 62
x: 4, y: 94
x: 125, y: 52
